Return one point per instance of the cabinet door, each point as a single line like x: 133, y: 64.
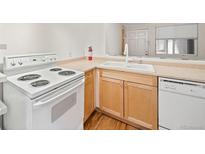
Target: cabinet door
x: 111, y: 96
x: 141, y: 104
x: 89, y: 94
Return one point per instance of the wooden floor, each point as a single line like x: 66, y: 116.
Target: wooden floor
x: 100, y: 121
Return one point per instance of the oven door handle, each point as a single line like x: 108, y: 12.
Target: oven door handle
x: 40, y: 103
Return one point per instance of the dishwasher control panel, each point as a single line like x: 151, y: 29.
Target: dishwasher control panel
x: 182, y: 87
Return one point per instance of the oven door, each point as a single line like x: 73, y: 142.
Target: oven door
x: 62, y: 109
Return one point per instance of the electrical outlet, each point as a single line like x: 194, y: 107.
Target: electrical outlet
x: 3, y: 46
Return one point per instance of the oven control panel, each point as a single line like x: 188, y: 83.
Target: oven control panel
x: 11, y: 62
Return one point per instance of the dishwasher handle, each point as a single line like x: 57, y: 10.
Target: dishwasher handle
x: 177, y: 82
x: 194, y: 89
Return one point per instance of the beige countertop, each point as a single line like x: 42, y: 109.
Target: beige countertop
x: 81, y: 64
x: 162, y: 70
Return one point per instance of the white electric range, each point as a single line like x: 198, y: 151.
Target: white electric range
x: 40, y: 95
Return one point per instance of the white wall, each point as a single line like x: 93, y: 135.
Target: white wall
x: 113, y: 39
x: 21, y: 38
x: 71, y: 40
x: 65, y: 40
x: 201, y: 40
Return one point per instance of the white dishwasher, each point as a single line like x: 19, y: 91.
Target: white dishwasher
x: 181, y: 104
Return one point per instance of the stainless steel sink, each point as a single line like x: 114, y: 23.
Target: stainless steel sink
x: 129, y: 66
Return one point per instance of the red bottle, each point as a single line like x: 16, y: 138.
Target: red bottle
x: 90, y: 53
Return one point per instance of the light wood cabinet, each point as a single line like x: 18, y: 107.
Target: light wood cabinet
x: 111, y: 96
x: 140, y: 103
x: 130, y: 96
x: 89, y: 105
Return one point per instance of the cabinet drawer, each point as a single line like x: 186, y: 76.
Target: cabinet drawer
x: 132, y: 77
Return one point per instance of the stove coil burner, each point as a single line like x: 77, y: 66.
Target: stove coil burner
x: 55, y: 69
x: 40, y: 83
x: 29, y: 77
x: 66, y: 73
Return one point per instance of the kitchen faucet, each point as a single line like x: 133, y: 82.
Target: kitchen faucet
x: 126, y: 53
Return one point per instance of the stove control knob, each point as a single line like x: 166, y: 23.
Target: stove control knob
x: 13, y: 64
x: 20, y: 62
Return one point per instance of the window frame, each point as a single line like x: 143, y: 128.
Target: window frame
x: 173, y: 47
x: 176, y: 55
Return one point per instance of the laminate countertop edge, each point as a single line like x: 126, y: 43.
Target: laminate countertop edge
x: 181, y: 73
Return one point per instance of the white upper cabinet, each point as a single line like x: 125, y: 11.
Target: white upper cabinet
x: 178, y: 31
